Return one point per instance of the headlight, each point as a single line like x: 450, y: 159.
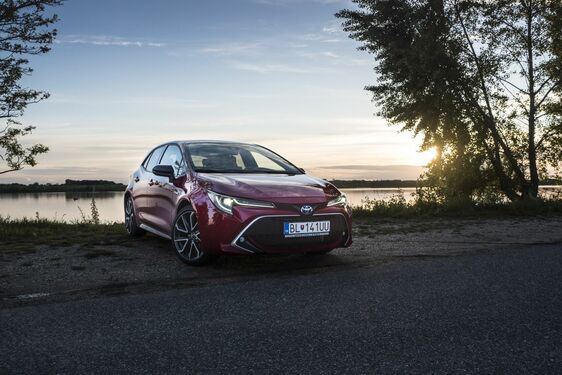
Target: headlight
x: 226, y: 203
x: 339, y: 201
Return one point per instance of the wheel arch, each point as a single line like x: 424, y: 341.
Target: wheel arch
x: 183, y: 204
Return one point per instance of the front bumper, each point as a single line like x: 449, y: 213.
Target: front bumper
x: 265, y: 234
x: 256, y: 230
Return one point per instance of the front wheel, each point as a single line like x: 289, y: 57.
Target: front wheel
x: 186, y: 241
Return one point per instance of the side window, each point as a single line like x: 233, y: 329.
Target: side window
x: 145, y: 162
x: 155, y: 158
x: 173, y: 157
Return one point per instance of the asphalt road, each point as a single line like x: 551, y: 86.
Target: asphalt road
x: 493, y: 312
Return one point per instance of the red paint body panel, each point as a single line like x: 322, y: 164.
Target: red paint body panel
x: 157, y: 201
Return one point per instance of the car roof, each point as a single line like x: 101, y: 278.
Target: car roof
x: 196, y: 141
x: 212, y: 141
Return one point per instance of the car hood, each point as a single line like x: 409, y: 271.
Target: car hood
x: 280, y: 188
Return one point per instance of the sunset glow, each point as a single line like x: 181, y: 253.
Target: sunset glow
x: 277, y: 73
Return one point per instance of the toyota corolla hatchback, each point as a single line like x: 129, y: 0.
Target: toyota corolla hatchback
x: 213, y: 197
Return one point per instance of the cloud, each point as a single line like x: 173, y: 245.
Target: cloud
x: 312, y: 37
x: 368, y: 172
x: 105, y: 40
x: 232, y: 48
x: 374, y: 168
x: 336, y: 59
x: 268, y: 68
x: 331, y: 29
x: 293, y: 2
x: 156, y: 101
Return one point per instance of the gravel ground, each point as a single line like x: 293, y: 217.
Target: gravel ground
x: 46, y: 274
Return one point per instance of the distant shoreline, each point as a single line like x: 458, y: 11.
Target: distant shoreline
x: 89, y: 186
x: 74, y: 186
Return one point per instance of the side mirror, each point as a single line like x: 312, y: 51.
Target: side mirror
x: 164, y: 171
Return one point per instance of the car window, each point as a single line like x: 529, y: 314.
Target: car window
x: 155, y: 158
x: 174, y: 157
x: 266, y: 163
x: 237, y: 158
x: 146, y: 160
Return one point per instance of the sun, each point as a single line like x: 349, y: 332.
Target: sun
x: 425, y: 157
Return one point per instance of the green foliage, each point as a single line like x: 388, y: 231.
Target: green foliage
x: 28, y: 233
x: 94, y: 212
x: 24, y: 30
x: 428, y: 202
x: 14, y: 154
x: 479, y: 80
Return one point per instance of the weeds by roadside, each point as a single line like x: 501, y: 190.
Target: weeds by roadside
x: 94, y: 217
x: 425, y: 205
x: 15, y: 234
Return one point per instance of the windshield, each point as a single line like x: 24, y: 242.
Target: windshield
x: 237, y: 158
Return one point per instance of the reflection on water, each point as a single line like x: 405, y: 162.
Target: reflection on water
x: 62, y: 206
x: 66, y: 206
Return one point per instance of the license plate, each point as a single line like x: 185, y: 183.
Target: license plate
x: 306, y: 229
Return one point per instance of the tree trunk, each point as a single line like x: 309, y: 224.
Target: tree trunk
x: 533, y: 188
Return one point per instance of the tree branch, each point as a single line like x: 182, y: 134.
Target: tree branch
x: 547, y: 93
x: 514, y: 86
x: 11, y: 170
x: 543, y: 84
x: 489, y: 119
x: 547, y: 134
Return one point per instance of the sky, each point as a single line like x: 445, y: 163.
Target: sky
x: 127, y: 75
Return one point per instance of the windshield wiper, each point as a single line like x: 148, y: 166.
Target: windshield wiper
x: 208, y: 171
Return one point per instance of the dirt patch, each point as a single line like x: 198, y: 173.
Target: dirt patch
x: 148, y: 263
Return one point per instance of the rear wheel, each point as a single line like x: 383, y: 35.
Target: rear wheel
x: 130, y: 222
x: 186, y: 240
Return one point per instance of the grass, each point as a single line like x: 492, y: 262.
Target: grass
x: 398, y: 208
x: 19, y: 234
x: 27, y: 234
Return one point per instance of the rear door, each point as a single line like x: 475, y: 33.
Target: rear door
x: 143, y: 200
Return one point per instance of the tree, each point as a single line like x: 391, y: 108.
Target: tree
x: 25, y: 30
x: 481, y: 80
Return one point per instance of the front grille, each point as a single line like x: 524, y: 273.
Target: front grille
x: 266, y: 234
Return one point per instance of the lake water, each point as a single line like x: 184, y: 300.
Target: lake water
x: 66, y: 206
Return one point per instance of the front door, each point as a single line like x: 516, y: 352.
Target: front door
x: 164, y: 193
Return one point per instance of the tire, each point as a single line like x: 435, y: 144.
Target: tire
x: 130, y: 222
x: 185, y: 239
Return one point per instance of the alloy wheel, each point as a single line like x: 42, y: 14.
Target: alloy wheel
x: 129, y: 216
x: 186, y: 236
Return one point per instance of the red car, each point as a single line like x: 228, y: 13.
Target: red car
x: 214, y: 197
